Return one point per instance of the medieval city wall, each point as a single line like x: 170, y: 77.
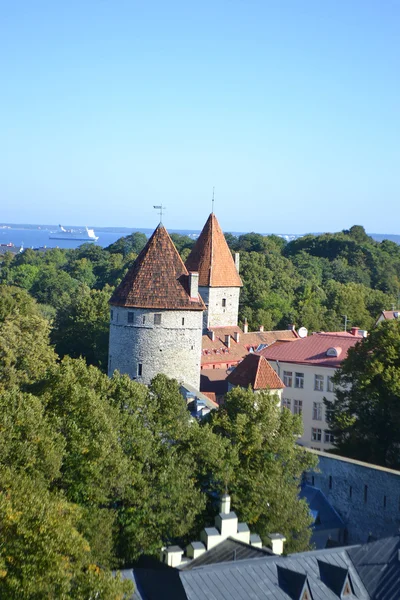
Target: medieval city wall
x: 218, y: 315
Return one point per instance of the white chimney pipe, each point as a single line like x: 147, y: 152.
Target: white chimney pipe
x: 225, y: 504
x: 237, y: 261
x: 194, y: 285
x: 245, y: 326
x: 261, y: 327
x: 276, y: 540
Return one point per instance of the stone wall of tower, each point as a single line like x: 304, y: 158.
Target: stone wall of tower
x: 172, y: 347
x: 218, y: 315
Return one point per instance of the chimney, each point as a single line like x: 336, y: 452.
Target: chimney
x: 276, y: 540
x: 171, y: 555
x: 261, y: 327
x: 236, y: 336
x: 228, y: 340
x: 237, y: 261
x: 245, y: 326
x: 354, y: 331
x: 211, y: 335
x: 194, y: 285
x: 225, y: 504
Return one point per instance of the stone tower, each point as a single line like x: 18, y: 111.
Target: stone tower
x: 156, y: 317
x: 219, y: 281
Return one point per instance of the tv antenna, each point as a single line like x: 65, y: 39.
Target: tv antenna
x: 160, y: 209
x: 346, y: 320
x: 212, y: 201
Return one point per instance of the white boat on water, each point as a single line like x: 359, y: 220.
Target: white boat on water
x: 86, y: 235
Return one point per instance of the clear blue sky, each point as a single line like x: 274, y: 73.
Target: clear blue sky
x: 291, y: 109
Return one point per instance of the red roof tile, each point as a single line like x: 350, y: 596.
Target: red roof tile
x: 312, y: 350
x: 256, y: 371
x: 212, y: 259
x: 390, y: 314
x: 215, y: 351
x: 157, y: 279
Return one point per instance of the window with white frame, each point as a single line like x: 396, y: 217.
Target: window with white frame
x: 317, y: 411
x: 330, y: 386
x: 328, y: 437
x: 287, y: 403
x: 130, y: 317
x: 297, y: 407
x: 288, y: 378
x: 299, y: 380
x: 319, y: 383
x: 316, y: 434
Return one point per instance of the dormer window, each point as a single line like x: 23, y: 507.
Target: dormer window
x: 334, y: 351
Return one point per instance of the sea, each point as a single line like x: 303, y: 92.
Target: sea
x: 37, y: 236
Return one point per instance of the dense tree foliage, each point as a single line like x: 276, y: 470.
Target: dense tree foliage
x: 365, y: 416
x: 266, y: 464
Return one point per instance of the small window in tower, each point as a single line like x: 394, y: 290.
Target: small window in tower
x: 157, y: 319
x: 130, y: 317
x: 144, y: 319
x: 112, y: 315
x: 139, y: 369
x: 183, y: 320
x: 224, y: 302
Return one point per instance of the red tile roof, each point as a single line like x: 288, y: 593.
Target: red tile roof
x: 215, y: 352
x: 157, y: 279
x: 256, y: 371
x: 312, y: 350
x: 212, y: 259
x: 390, y: 314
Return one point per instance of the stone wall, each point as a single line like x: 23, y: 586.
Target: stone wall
x: 172, y: 347
x: 218, y: 315
x: 367, y: 497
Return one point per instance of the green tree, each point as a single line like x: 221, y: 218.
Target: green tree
x: 265, y: 484
x: 365, y: 415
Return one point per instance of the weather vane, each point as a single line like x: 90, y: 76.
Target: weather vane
x: 160, y: 208
x: 212, y: 201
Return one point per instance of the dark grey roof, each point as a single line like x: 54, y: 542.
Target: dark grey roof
x: 378, y: 565
x: 373, y: 571
x: 322, y: 510
x: 227, y: 551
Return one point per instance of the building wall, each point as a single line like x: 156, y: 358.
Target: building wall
x: 307, y: 395
x: 367, y: 497
x: 172, y: 347
x: 216, y: 314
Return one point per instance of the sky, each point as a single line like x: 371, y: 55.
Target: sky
x: 289, y: 108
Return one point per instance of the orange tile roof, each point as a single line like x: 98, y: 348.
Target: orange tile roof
x: 212, y: 259
x: 215, y: 351
x: 256, y: 371
x: 390, y: 314
x: 157, y: 279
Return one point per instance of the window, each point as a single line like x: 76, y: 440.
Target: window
x: 316, y: 434
x: 130, y: 317
x: 112, y: 315
x: 139, y: 369
x: 365, y: 493
x: 288, y: 378
x: 317, y: 411
x: 144, y: 319
x: 224, y: 302
x: 330, y: 482
x: 157, y: 319
x: 183, y: 320
x: 312, y: 480
x: 319, y: 383
x: 299, y: 380
x: 350, y: 491
x: 297, y: 407
x: 328, y: 437
x: 330, y: 386
x: 287, y: 403
x: 384, y: 501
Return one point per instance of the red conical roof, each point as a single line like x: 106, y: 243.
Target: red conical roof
x: 157, y: 279
x: 212, y: 258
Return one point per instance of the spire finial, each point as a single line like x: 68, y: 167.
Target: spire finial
x: 160, y: 208
x: 212, y: 201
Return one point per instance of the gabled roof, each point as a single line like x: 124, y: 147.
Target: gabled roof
x: 313, y: 350
x: 390, y: 314
x: 212, y: 259
x: 227, y: 551
x: 157, y: 279
x: 256, y: 371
